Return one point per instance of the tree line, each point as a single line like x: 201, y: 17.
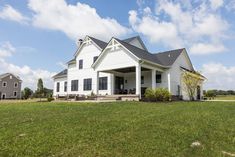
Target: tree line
x: 215, y: 92
x: 40, y: 92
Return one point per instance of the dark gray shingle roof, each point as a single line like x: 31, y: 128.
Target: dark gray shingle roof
x: 128, y: 40
x: 98, y: 42
x: 61, y: 74
x: 167, y: 58
x: 140, y: 53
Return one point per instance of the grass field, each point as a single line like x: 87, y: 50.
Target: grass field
x: 117, y: 129
x: 225, y: 97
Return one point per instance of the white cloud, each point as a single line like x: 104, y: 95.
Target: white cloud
x: 215, y: 4
x: 74, y: 20
x: 9, y: 13
x: 203, y: 48
x: 219, y: 76
x: 6, y: 49
x: 27, y: 74
x: 177, y: 24
x: 155, y: 30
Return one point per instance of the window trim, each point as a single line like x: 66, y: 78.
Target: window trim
x: 5, y: 95
x: 86, y: 86
x: 57, y: 87
x: 80, y: 64
x: 72, y: 87
x: 103, y: 86
x: 65, y: 87
x: 15, y: 84
x: 158, y: 79
x: 3, y: 84
x: 14, y: 93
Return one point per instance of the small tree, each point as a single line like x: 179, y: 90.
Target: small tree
x: 191, y: 82
x: 40, y: 89
x: 27, y: 92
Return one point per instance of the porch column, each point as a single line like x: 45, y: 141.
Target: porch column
x: 153, y: 79
x: 97, y: 83
x: 138, y: 80
x: 169, y: 81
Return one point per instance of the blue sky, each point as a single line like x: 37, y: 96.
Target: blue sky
x: 37, y: 37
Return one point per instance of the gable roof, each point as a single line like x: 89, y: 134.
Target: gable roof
x: 7, y: 74
x: 140, y: 53
x: 129, y: 40
x: 98, y: 42
x: 61, y: 74
x: 167, y: 58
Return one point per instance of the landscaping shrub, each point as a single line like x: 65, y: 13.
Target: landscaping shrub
x: 158, y: 94
x: 49, y: 99
x: 150, y: 94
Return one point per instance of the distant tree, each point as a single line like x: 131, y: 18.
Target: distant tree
x: 191, y: 82
x: 47, y: 92
x: 40, y: 89
x: 210, y: 94
x: 27, y: 92
x: 231, y: 92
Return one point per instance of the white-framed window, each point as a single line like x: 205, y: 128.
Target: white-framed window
x: 4, y: 84
x: 16, y: 84
x: 15, y: 93
x: 4, y: 95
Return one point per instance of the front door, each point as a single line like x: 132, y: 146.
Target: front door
x: 119, y: 85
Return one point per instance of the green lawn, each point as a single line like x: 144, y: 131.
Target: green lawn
x: 225, y: 97
x: 117, y: 129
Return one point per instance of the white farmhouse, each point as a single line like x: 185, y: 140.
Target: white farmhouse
x: 122, y: 67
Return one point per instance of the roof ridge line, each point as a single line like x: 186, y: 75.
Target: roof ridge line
x: 168, y: 51
x: 133, y: 45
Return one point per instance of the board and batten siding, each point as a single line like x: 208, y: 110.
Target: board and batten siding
x: 61, y: 89
x: 87, y: 54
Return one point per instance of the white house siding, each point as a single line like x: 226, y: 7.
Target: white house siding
x: 61, y: 91
x: 115, y: 59
x: 87, y: 54
x: 176, y: 75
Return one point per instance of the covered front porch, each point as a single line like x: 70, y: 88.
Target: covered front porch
x: 131, y: 81
x: 130, y: 72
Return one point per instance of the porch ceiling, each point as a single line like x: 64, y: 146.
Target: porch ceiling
x: 130, y: 69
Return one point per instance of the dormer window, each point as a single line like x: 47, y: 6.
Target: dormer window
x: 80, y: 66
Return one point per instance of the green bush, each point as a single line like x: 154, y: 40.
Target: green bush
x: 49, y: 99
x: 150, y: 94
x: 158, y: 94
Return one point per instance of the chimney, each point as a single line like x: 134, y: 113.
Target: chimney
x: 79, y: 42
